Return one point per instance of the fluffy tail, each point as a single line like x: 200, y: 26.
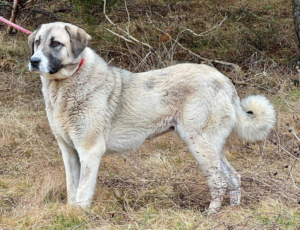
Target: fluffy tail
x: 255, y: 118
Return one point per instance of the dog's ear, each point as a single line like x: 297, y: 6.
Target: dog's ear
x: 31, y: 40
x: 79, y: 39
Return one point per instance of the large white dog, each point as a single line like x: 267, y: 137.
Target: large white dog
x: 94, y: 108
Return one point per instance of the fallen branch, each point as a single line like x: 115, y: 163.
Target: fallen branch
x: 13, y: 16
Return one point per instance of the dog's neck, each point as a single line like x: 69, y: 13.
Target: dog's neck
x: 80, y: 64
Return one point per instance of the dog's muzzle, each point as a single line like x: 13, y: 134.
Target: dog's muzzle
x: 35, y: 62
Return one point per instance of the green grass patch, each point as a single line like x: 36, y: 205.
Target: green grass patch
x: 292, y: 222
x: 3, y: 184
x: 67, y: 222
x: 295, y: 94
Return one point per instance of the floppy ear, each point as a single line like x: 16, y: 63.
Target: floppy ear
x: 79, y: 39
x: 31, y: 40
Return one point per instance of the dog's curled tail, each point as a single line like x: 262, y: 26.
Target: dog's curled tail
x: 255, y: 118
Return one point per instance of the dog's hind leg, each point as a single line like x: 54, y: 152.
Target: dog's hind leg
x: 207, y: 154
x: 72, y: 168
x: 233, y: 180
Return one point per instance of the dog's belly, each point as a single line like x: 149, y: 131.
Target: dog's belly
x: 122, y: 140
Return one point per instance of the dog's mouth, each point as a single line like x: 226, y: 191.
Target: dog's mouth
x: 53, y: 70
x: 34, y: 68
x: 36, y: 65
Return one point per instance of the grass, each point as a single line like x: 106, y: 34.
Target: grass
x: 160, y: 186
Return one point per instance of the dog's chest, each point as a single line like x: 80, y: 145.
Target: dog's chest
x: 67, y: 108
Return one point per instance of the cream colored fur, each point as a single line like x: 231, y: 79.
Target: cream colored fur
x: 102, y: 109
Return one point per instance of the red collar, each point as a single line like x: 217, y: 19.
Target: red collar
x: 80, y: 64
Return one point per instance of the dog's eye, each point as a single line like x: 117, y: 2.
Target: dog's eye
x: 55, y: 44
x: 37, y: 42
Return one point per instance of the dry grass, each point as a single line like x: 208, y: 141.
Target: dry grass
x: 160, y: 186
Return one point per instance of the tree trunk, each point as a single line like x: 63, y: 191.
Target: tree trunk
x: 296, y: 13
x: 13, y: 16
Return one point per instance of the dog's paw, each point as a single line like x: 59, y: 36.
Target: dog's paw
x: 235, y: 197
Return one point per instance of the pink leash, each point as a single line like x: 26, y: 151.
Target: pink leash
x: 15, y: 26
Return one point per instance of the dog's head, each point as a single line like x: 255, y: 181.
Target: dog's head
x: 56, y: 49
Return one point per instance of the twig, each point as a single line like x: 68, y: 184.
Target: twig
x: 131, y: 38
x: 84, y: 222
x: 206, y: 32
x: 289, y: 153
x: 243, y: 83
x: 291, y: 175
x: 293, y: 132
x: 128, y: 18
x: 143, y: 60
x: 28, y: 13
x: 120, y: 36
x: 236, y: 67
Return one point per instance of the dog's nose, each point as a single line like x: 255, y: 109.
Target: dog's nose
x: 35, y: 61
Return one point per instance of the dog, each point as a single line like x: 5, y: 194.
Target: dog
x: 94, y: 109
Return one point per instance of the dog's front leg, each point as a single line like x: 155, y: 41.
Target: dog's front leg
x: 72, y: 168
x: 90, y: 158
